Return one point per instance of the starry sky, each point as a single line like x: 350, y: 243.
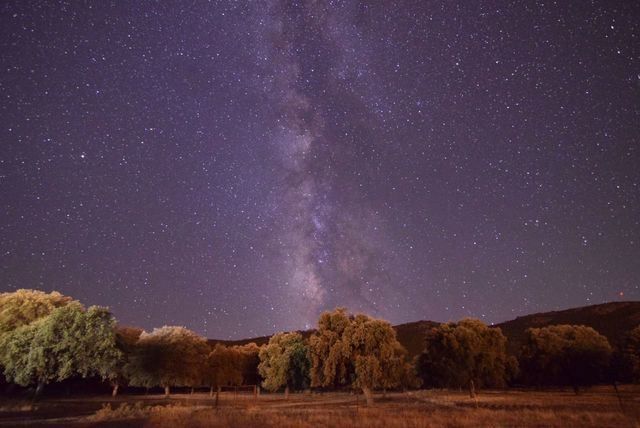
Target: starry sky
x: 238, y: 167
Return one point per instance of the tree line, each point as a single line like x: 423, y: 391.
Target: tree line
x: 48, y: 337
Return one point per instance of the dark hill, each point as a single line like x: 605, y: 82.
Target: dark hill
x: 613, y: 320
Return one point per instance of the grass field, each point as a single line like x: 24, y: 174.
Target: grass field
x: 598, y: 407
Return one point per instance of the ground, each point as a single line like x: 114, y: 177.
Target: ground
x: 597, y: 407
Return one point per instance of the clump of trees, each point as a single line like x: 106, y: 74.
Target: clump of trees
x: 574, y: 355
x: 69, y: 341
x: 466, y: 354
x: 48, y: 337
x: 167, y: 356
x: 224, y: 366
x: 284, y: 362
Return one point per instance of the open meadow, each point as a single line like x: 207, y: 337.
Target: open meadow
x: 597, y: 407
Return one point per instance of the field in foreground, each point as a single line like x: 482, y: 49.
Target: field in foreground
x: 598, y: 407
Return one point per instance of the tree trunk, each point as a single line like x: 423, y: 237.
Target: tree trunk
x: 211, y: 391
x: 115, y: 390
x: 615, y: 386
x: 368, y: 396
x: 217, y: 395
x: 192, y: 388
x: 167, y: 390
x: 472, y: 389
x: 286, y: 392
x: 39, y: 388
x: 384, y: 392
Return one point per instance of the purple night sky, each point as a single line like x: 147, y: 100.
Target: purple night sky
x: 238, y: 167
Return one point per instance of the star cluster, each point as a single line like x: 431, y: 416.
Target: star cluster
x: 238, y: 167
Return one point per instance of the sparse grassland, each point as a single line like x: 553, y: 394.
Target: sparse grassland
x: 598, y: 407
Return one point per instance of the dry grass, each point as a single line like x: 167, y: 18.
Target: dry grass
x: 414, y: 409
x: 596, y: 408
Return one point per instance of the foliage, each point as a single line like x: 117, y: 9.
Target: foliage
x: 224, y: 367
x: 23, y: 307
x: 358, y: 351
x: 631, y: 354
x: 573, y: 355
x: 284, y: 362
x: 126, y: 339
x: 168, y: 356
x: 465, y: 353
x: 249, y: 361
x: 70, y: 341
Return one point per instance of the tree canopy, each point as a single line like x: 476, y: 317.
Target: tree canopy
x: 223, y: 367
x: 574, y: 355
x: 70, y: 341
x: 23, y: 307
x: 167, y: 356
x: 284, y: 362
x: 358, y: 351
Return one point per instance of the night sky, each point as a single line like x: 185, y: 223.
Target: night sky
x: 237, y: 168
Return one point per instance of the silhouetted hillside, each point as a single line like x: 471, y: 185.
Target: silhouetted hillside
x: 613, y: 320
x: 411, y: 335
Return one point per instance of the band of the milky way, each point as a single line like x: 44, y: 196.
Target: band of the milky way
x: 237, y: 168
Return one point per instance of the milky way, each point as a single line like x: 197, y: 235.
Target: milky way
x: 239, y: 167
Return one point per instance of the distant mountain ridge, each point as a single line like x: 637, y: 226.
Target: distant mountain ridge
x: 612, y: 320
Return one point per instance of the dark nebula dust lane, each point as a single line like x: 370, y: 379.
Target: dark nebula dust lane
x: 238, y: 168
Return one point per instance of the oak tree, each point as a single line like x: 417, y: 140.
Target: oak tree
x: 284, y: 363
x: 167, y: 356
x: 465, y: 354
x: 358, y: 351
x: 70, y: 341
x: 574, y: 355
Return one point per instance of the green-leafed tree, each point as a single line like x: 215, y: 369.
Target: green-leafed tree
x: 284, y: 363
x: 574, y: 355
x: 70, y: 341
x: 465, y: 354
x: 167, y: 356
x: 358, y: 351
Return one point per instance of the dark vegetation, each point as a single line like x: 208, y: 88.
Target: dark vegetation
x: 50, y: 339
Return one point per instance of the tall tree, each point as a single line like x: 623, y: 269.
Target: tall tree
x: 355, y: 350
x: 167, y: 356
x: 70, y: 341
x: 250, y: 359
x: 284, y: 363
x: 126, y: 339
x: 466, y: 353
x: 224, y: 367
x: 574, y: 355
